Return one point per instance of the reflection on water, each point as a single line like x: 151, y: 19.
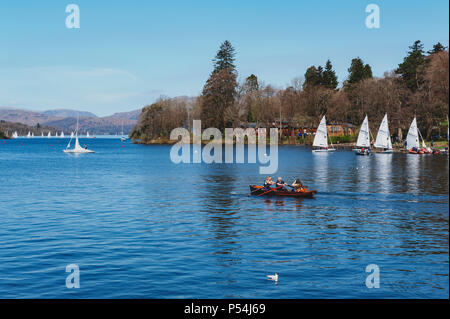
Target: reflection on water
x: 127, y: 212
x: 321, y: 172
x: 412, y: 171
x: 383, y: 169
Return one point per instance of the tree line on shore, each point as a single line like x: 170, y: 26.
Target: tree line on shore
x: 419, y: 87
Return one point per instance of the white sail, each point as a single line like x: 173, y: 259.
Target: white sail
x: 49, y: 134
x: 412, y: 140
x: 87, y: 134
x: 364, y: 135
x: 321, y: 138
x: 62, y: 134
x: 71, y: 135
x: 15, y: 135
x: 29, y: 134
x: 384, y: 137
x: 32, y: 134
x: 42, y: 134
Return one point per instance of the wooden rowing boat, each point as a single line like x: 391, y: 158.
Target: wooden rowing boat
x: 260, y: 190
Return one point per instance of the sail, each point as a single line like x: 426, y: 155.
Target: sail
x: 87, y: 134
x: 62, y: 134
x: 321, y: 140
x: 29, y: 134
x: 49, y: 134
x: 384, y: 137
x: 363, y: 136
x: 412, y: 140
x: 77, y: 144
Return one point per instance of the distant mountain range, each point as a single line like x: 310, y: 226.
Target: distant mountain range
x: 69, y: 113
x: 65, y: 120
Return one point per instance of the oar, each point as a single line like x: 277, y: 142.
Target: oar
x: 270, y: 190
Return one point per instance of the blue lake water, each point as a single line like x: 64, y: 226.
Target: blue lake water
x: 139, y: 226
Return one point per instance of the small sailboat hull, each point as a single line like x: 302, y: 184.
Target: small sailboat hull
x: 363, y: 152
x: 82, y: 151
x: 324, y: 150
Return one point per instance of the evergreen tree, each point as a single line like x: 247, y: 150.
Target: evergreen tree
x: 219, y: 91
x: 251, y: 84
x: 438, y: 47
x: 224, y: 59
x: 329, y: 78
x: 313, y: 77
x: 358, y: 71
x: 409, y: 70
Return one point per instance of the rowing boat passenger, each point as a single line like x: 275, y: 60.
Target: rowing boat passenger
x: 268, y: 183
x: 298, y: 185
x: 280, y: 183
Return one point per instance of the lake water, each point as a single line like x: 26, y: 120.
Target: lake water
x: 139, y: 226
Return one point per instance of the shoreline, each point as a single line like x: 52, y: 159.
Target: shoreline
x: 345, y: 146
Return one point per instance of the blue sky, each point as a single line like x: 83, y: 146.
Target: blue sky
x: 128, y: 53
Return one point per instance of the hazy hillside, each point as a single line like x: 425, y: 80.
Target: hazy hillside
x: 68, y: 113
x: 101, y: 125
x: 87, y: 122
x: 25, y: 117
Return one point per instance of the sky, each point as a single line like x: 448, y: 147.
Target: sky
x: 127, y: 54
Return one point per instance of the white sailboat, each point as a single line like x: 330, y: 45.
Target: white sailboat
x: 123, y: 137
x: 29, y: 134
x: 87, y: 134
x: 42, y: 134
x: 71, y: 135
x: 412, y: 139
x: 413, y: 142
x: 383, y: 140
x: 77, y: 149
x: 15, y: 135
x: 62, y: 134
x: 49, y: 134
x: 321, y: 138
x: 363, y: 141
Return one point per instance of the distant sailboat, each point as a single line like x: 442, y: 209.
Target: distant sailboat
x: 15, y: 135
x: 42, y: 134
x: 71, y: 135
x: 123, y: 137
x: 363, y: 142
x: 87, y: 134
x: 77, y: 149
x: 384, y: 137
x: 49, y: 134
x: 32, y: 134
x: 412, y: 140
x: 62, y: 134
x: 321, y: 138
x: 29, y: 135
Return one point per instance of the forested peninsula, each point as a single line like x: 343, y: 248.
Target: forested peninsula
x: 419, y: 87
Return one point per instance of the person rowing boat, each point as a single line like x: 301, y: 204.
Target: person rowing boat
x: 298, y: 186
x: 281, y: 184
x: 268, y: 183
